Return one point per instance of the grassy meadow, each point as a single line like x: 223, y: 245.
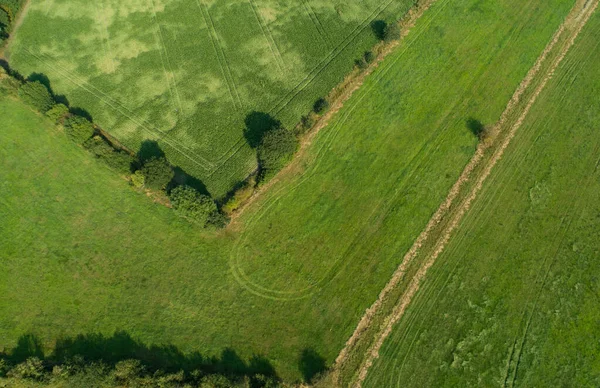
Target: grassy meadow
x: 514, y: 299
x: 188, y: 72
x: 83, y: 253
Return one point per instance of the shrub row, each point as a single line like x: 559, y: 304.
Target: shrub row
x: 155, y: 173
x: 127, y: 373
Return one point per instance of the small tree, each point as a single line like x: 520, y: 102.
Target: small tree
x: 157, y: 173
x: 36, y: 95
x: 189, y: 203
x: 369, y: 56
x: 321, y: 105
x: 392, y: 32
x: 275, y: 151
x: 78, y: 128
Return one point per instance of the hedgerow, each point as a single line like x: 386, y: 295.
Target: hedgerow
x: 76, y: 372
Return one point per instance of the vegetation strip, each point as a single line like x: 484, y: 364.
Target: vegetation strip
x: 579, y: 17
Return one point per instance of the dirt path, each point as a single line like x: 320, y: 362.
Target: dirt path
x: 574, y: 23
x: 15, y: 27
x: 343, y: 92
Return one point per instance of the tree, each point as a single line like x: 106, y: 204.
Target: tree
x: 57, y: 112
x: 392, y: 32
x: 78, y: 128
x: 275, y: 151
x: 321, y: 105
x: 190, y: 204
x: 36, y: 95
x: 158, y: 172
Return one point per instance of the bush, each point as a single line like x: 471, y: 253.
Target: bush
x: 32, y: 368
x: 361, y: 63
x: 275, y: 151
x: 116, y: 159
x: 157, y: 173
x: 189, y: 203
x: 128, y: 370
x: 392, y: 32
x: 241, y: 195
x: 306, y: 122
x: 57, y: 113
x: 321, y: 105
x: 78, y: 128
x: 369, y: 57
x: 36, y: 95
x: 138, y: 180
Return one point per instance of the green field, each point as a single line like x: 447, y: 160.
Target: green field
x: 83, y: 253
x: 188, y: 72
x: 515, y: 297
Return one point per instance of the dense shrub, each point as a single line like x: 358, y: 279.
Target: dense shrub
x: 189, y: 203
x: 320, y: 106
x: 78, y: 128
x: 116, y: 159
x: 36, y: 95
x: 157, y: 173
x: 392, y: 32
x: 57, y: 113
x: 369, y: 57
x: 275, y: 151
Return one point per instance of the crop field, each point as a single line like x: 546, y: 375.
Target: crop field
x: 514, y: 298
x: 188, y: 72
x: 289, y: 280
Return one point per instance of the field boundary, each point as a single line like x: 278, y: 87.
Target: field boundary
x: 577, y: 18
x: 338, y: 96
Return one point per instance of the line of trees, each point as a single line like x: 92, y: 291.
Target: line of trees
x: 76, y: 372
x: 155, y: 174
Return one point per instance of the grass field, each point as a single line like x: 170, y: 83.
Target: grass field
x: 514, y: 298
x: 189, y: 72
x: 85, y: 254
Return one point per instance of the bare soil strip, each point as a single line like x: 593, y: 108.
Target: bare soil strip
x: 338, y: 96
x: 574, y: 23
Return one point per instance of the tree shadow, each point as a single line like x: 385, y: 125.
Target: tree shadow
x: 81, y: 112
x: 148, y: 150
x: 121, y: 346
x: 257, y: 124
x: 60, y: 99
x: 378, y: 27
x: 28, y: 345
x: 311, y: 364
x: 182, y: 178
x: 475, y: 126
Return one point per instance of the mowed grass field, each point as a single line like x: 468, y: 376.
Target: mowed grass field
x: 514, y: 299
x: 188, y: 72
x: 84, y: 254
